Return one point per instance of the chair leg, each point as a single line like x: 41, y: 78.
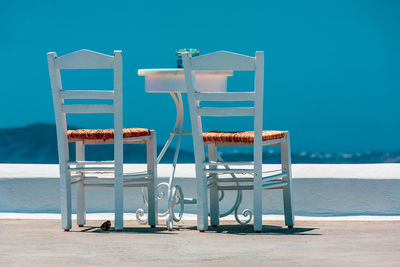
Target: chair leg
x: 257, y: 203
x: 65, y: 196
x: 214, y: 201
x: 257, y: 190
x: 202, y: 198
x: 118, y: 201
x: 287, y: 191
x: 118, y: 185
x: 152, y: 188
x: 80, y: 188
x: 202, y: 207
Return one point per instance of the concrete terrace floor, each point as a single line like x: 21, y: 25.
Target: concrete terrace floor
x: 310, y: 243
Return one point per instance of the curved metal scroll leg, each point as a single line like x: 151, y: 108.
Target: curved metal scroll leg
x: 172, y: 190
x: 141, y: 213
x: 179, y: 117
x: 246, y: 212
x: 174, y: 193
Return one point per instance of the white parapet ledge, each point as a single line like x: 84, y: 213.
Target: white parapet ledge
x: 337, y: 171
x: 337, y: 191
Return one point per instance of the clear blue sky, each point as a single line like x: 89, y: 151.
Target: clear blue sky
x: 332, y: 67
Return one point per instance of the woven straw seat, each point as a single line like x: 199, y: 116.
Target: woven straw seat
x: 106, y: 134
x: 240, y: 137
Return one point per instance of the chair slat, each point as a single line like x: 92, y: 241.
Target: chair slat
x: 100, y: 185
x: 228, y: 163
x: 277, y: 185
x: 235, y: 187
x: 87, y: 94
x: 88, y: 108
x: 229, y: 171
x: 226, y: 112
x: 242, y: 96
x: 90, y: 163
x: 271, y: 142
x: 85, y: 59
x: 275, y: 176
x: 92, y: 169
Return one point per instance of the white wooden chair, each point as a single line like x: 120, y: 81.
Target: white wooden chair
x: 210, y: 173
x: 97, y: 174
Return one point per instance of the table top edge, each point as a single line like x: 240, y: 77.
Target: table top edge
x: 146, y: 72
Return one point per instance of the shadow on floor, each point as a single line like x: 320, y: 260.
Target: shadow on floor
x: 222, y: 229
x: 266, y: 230
x: 128, y: 230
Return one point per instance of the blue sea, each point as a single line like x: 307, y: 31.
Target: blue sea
x: 37, y: 143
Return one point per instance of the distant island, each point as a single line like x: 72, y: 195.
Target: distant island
x: 37, y: 144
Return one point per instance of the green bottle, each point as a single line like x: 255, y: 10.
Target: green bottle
x: 194, y: 52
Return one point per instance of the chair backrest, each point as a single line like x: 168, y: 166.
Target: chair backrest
x: 224, y: 60
x: 85, y: 59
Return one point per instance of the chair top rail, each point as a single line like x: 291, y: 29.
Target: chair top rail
x: 137, y: 172
x: 226, y: 112
x: 223, y: 60
x: 85, y: 59
x: 88, y: 109
x: 235, y: 180
x: 137, y: 181
x: 223, y: 96
x: 87, y: 94
x: 137, y: 175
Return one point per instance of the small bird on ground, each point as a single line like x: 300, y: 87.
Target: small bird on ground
x: 106, y: 226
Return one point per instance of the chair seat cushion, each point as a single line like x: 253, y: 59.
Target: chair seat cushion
x: 240, y: 137
x: 105, y: 134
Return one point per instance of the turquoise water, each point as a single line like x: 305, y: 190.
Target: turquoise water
x: 331, y: 74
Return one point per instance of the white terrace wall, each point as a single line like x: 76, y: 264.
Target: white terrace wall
x: 319, y: 190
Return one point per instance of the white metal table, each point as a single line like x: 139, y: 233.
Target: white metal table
x: 172, y: 81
